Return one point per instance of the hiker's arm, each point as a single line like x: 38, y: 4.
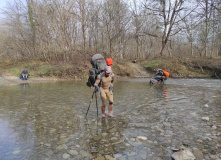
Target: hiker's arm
x: 112, y: 80
x: 97, y: 80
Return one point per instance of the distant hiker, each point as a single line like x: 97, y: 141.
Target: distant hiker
x: 24, y: 74
x: 134, y: 61
x: 160, y: 76
x: 109, y: 62
x: 105, y: 83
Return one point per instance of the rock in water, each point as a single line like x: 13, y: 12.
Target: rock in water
x: 183, y: 155
x: 205, y: 118
x: 142, y: 138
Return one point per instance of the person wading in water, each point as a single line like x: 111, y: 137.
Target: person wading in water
x: 105, y: 82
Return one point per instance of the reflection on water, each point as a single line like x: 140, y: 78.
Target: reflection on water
x: 24, y: 85
x: 47, y: 120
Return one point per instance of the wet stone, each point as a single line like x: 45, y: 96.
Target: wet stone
x: 66, y: 156
x: 71, y: 143
x: 73, y: 152
x: 100, y: 158
x: 97, y: 138
x: 16, y: 152
x: 131, y: 158
x: 133, y: 139
x: 214, y: 157
x: 198, y: 153
x: 47, y: 145
x: 104, y: 134
x: 78, y: 146
x: 131, y: 154
x: 114, y: 139
x: 185, y: 154
x: 52, y: 131
x: 117, y: 156
x: 205, y: 118
x: 135, y: 143
x: 50, y: 153
x: 157, y: 158
x: 142, y: 138
x: 84, y: 153
x: 108, y: 157
x: 143, y: 155
x: 61, y: 147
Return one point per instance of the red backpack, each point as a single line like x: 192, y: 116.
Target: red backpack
x: 109, y: 62
x: 166, y: 73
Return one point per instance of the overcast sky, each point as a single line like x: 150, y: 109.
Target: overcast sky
x: 4, y: 2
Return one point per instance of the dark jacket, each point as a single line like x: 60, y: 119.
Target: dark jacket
x: 159, y: 76
x: 24, y: 72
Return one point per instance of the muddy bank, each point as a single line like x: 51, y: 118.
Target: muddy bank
x: 185, y: 67
x: 177, y: 67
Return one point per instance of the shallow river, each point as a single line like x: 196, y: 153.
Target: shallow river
x: 47, y: 120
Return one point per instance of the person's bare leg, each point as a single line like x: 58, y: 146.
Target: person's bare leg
x: 110, y: 110
x: 103, y: 111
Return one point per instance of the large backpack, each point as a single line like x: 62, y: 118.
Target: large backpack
x: 98, y: 63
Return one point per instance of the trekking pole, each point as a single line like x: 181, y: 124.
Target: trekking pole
x: 96, y: 103
x: 90, y: 102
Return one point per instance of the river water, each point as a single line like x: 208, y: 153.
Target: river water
x: 47, y: 120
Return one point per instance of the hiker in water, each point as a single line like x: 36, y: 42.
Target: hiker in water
x: 24, y: 74
x: 105, y: 82
x: 160, y: 76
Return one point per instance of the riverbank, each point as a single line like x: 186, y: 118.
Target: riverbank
x: 177, y: 67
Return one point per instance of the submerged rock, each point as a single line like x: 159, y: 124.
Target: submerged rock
x: 107, y: 157
x: 73, y: 152
x: 142, y: 138
x: 16, y: 152
x: 183, y: 155
x: 100, y: 158
x: 214, y: 127
x: 66, y: 156
x: 198, y: 153
x: 205, y: 118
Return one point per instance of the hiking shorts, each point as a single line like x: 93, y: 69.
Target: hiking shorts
x: 106, y: 93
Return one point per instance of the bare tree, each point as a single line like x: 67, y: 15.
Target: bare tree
x: 169, y: 11
x: 115, y: 22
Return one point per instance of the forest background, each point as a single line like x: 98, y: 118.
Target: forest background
x: 58, y: 37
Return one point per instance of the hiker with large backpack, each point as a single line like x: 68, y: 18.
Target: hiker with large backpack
x: 99, y: 65
x: 104, y: 83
